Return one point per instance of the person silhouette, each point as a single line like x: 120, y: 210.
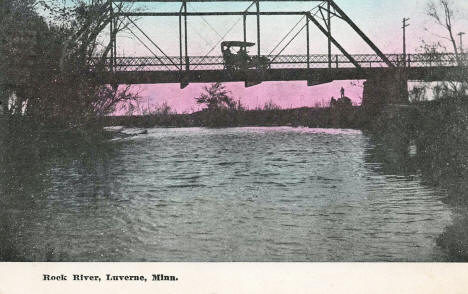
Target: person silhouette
x: 342, y: 92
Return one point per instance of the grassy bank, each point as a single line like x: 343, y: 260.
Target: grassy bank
x: 305, y: 116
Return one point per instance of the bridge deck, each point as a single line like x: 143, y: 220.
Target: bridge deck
x: 153, y: 70
x: 316, y: 76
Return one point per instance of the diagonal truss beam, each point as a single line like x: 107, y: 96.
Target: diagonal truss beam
x: 332, y: 10
x: 329, y: 11
x: 244, y: 15
x: 360, y: 33
x: 148, y: 48
x: 333, y: 40
x: 293, y: 28
x: 152, y: 42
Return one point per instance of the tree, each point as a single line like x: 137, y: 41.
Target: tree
x: 216, y: 97
x: 221, y: 110
x: 82, y: 54
x: 52, y: 64
x: 442, y: 12
x: 270, y: 105
x: 21, y: 30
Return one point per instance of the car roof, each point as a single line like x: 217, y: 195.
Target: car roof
x: 237, y: 44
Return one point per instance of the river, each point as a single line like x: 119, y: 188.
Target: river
x: 239, y: 194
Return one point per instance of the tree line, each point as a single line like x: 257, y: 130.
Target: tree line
x: 51, y: 55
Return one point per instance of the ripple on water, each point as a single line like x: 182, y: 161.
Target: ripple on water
x: 285, y: 194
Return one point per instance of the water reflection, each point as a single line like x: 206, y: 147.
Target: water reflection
x: 40, y: 175
x: 441, y: 167
x: 242, y: 194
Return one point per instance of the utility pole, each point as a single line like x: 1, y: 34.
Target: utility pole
x: 405, y: 25
x: 461, y: 41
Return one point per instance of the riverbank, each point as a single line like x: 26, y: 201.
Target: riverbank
x: 329, y: 117
x: 438, y: 130
x: 432, y: 138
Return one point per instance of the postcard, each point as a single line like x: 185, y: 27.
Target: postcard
x: 218, y: 146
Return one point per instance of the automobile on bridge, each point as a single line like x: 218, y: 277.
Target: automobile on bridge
x: 241, y: 60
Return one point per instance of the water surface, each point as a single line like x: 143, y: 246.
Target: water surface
x: 241, y: 194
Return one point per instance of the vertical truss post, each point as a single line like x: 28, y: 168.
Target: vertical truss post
x: 335, y: 42
x: 308, y: 43
x: 329, y: 32
x: 187, y: 61
x: 180, y: 38
x: 114, y: 45
x: 257, y: 3
x: 245, y: 27
x: 111, y: 35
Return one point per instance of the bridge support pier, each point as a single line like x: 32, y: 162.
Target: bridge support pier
x: 183, y: 80
x: 384, y: 89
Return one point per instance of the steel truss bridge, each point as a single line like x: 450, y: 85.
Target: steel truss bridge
x: 314, y: 68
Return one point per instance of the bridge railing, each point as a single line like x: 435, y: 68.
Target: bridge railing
x: 162, y: 63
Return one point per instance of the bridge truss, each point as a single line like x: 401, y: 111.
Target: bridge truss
x: 320, y: 16
x: 315, y: 61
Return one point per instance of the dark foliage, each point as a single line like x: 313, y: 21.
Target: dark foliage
x: 49, y: 66
x: 439, y: 131
x: 307, y: 117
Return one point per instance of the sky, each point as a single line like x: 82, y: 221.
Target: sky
x: 380, y: 20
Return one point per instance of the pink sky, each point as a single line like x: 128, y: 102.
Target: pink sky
x: 380, y: 20
x: 283, y: 94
